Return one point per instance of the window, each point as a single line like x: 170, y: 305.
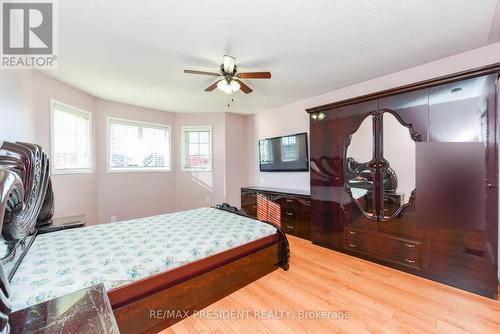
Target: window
x: 289, y: 148
x: 266, y: 153
x: 197, y: 148
x: 71, y: 146
x: 138, y: 146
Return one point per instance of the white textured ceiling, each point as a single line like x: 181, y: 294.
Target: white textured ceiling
x: 135, y: 51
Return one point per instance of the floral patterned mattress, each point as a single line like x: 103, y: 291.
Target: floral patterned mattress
x: 119, y: 253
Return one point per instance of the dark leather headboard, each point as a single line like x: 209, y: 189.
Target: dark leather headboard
x: 25, y: 198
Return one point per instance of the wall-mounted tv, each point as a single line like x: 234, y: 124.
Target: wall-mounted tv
x: 284, y: 154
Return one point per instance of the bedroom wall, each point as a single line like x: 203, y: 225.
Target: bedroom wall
x: 75, y: 193
x: 292, y: 118
x: 198, y: 189
x: 100, y: 195
x: 286, y: 120
x: 16, y: 107
x: 237, y: 156
x: 25, y: 102
x: 128, y: 195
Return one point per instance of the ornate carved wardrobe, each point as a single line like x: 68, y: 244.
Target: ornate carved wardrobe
x: 408, y: 178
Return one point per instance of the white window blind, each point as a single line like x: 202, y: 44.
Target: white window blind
x: 70, y: 139
x: 197, y: 148
x: 138, y: 146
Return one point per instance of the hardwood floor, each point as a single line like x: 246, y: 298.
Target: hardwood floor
x: 379, y: 300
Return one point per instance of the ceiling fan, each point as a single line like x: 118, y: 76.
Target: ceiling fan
x: 229, y: 81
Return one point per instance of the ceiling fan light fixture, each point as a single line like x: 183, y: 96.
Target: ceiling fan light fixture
x: 229, y: 78
x: 235, y: 86
x: 228, y: 88
x: 222, y: 85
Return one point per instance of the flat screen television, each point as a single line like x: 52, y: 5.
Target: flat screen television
x: 284, y: 154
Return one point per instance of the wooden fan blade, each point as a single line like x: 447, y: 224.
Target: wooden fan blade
x: 244, y: 87
x: 202, y: 73
x: 212, y: 86
x: 255, y: 75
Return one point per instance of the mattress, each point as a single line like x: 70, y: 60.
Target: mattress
x: 118, y: 253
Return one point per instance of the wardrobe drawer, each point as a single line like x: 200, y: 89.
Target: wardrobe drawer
x: 297, y: 228
x: 249, y: 202
x: 290, y: 226
x: 293, y: 201
x: 289, y: 213
x: 409, y: 253
x: 250, y: 209
x: 288, y: 201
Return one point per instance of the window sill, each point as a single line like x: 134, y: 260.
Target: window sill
x: 196, y: 169
x: 71, y: 171
x: 139, y: 170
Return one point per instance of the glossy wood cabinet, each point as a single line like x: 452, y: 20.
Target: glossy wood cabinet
x: 287, y: 208
x: 425, y: 196
x: 409, y: 253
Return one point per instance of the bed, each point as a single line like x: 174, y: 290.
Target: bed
x: 180, y: 261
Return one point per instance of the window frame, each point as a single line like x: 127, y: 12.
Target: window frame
x: 109, y: 169
x: 62, y: 171
x: 184, y: 130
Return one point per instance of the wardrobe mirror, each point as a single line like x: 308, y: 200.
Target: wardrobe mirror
x: 400, y: 174
x: 360, y: 175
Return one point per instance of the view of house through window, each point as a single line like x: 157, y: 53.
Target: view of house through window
x: 138, y: 146
x: 197, y: 148
x: 71, y: 145
x: 289, y: 148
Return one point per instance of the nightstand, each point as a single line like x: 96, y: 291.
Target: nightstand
x: 83, y: 311
x: 64, y: 223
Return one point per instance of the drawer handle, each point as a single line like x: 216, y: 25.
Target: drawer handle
x: 290, y: 227
x: 254, y: 206
x: 352, y: 232
x: 351, y: 245
x: 409, y: 245
x: 289, y: 213
x: 409, y: 261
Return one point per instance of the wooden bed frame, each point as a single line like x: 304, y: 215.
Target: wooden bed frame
x: 174, y: 294
x: 178, y: 292
x: 157, y: 302
x: 159, y: 310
